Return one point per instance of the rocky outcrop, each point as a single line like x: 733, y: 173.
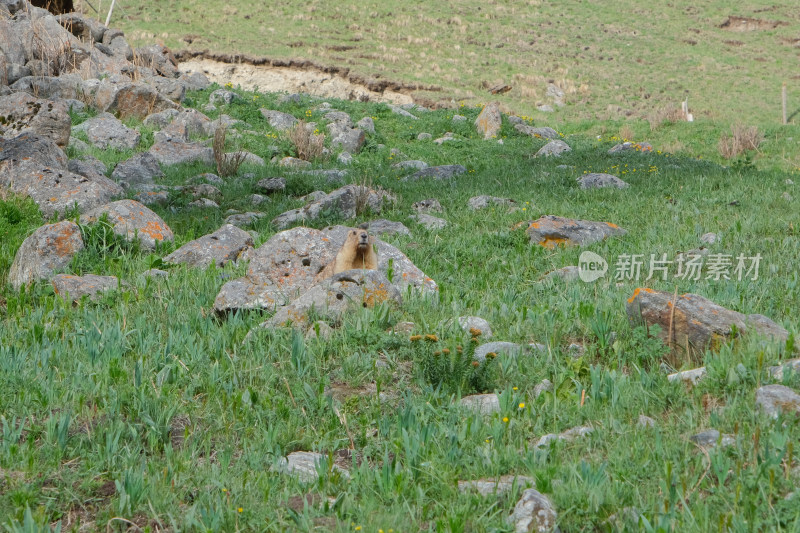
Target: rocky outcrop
x: 696, y: 323
x: 42, y: 176
x: 289, y: 263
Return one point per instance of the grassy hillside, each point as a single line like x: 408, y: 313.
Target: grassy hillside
x: 145, y: 412
x: 613, y: 60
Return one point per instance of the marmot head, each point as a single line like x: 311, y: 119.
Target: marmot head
x: 362, y: 239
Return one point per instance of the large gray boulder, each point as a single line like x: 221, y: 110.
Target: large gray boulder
x: 774, y: 400
x: 106, y: 131
x: 46, y: 251
x: 172, y: 152
x: 22, y: 113
x: 131, y: 100
x: 73, y: 288
x: 132, y: 220
x: 53, y: 188
x: 489, y: 121
x: 550, y: 231
x: 218, y: 248
x: 137, y: 172
x: 334, y: 297
x: 279, y: 120
x: 696, y: 323
x: 289, y: 263
x: 599, y: 180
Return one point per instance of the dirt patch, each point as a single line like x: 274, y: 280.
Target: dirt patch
x: 297, y: 76
x: 749, y: 24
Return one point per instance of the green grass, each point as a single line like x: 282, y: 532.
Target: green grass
x: 618, y: 63
x: 146, y: 407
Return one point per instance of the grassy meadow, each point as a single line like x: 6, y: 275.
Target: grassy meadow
x: 618, y: 63
x: 145, y: 412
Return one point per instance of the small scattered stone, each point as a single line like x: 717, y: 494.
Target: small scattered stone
x: 441, y: 172
x: 293, y: 162
x: 495, y: 487
x: 304, y: 466
x: 709, y: 238
x: 543, y: 133
x: 155, y: 273
x: 43, y: 253
x: 447, y: 137
x: 489, y: 121
x: 221, y: 96
x: 629, y: 146
x: 567, y: 274
x: 219, y: 248
x: 430, y: 222
x: 382, y: 226
x: 596, y: 180
x: 278, y: 120
x: 424, y: 136
x: 485, y: 201
x: 553, y: 148
x: 366, y: 124
x: 132, y: 220
x: 533, y: 513
x: 272, y: 185
x: 551, y: 231
x: 484, y: 404
x: 774, y: 400
x: 411, y: 163
x: 204, y: 203
x: 459, y: 118
x: 710, y: 438
x: 689, y: 376
x: 543, y: 386
x: 243, y: 219
x: 468, y: 323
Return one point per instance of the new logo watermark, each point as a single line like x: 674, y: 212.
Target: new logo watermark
x: 591, y: 267
x: 695, y: 267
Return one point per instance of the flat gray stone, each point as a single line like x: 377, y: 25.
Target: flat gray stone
x: 382, y: 226
x: 430, y: 222
x: 597, y: 180
x: 279, y: 120
x: 544, y: 133
x: 219, y: 248
x: 304, y: 466
x: 272, y: 185
x: 74, y: 288
x: 485, y: 201
x: 711, y: 438
x: 441, y: 172
x: 106, y: 131
x: 174, y: 152
x: 484, y: 404
x: 551, y: 231
x: 689, y: 376
x: 495, y: 487
x: 774, y: 400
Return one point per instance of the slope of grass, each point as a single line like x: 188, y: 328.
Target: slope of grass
x: 146, y: 409
x: 614, y: 61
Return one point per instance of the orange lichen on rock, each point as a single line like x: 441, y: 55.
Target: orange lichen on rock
x: 551, y: 242
x: 636, y: 292
x: 154, y: 230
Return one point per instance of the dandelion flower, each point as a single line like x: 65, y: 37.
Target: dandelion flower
x: 240, y: 509
x: 522, y: 405
x: 505, y: 419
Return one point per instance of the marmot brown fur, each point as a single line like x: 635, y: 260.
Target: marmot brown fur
x: 358, y: 251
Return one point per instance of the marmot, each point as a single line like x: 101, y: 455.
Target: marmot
x: 358, y: 251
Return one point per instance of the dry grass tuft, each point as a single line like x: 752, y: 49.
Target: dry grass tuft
x: 740, y: 140
x: 309, y: 145
x: 665, y: 115
x: 626, y: 133
x: 227, y: 164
